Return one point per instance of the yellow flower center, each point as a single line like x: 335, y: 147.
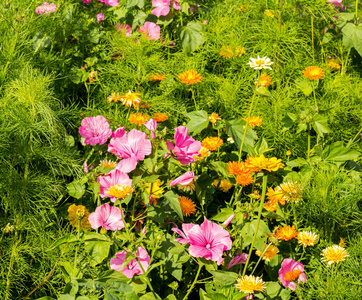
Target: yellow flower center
x: 119, y: 191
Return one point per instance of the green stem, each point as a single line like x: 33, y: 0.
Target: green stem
x: 260, y: 258
x: 351, y: 142
x: 311, y: 21
x: 265, y: 180
x: 357, y: 11
x: 315, y: 99
x: 147, y: 279
x: 295, y: 216
x: 8, y: 277
x: 76, y: 247
x: 193, y: 284
x: 193, y: 97
x: 308, y: 153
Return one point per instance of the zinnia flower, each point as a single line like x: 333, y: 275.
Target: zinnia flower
x: 190, y: 77
x: 138, y: 118
x: 162, y: 7
x: 106, y: 216
x: 188, y: 207
x: 307, y: 238
x: 76, y: 212
x: 46, y: 8
x: 334, y: 254
x: 266, y: 164
x: 260, y: 63
x: 212, y: 143
x: 209, y: 240
x: 313, y: 73
x: 286, y: 233
x: 253, y: 121
x: 151, y: 30
x: 95, y: 130
x: 244, y: 179
x: 291, y: 271
x: 160, y: 117
x: 250, y: 284
x: 116, y: 185
x: 133, y: 266
x: 270, y: 252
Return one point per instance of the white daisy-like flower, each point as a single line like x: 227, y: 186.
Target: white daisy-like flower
x: 230, y: 140
x: 260, y: 63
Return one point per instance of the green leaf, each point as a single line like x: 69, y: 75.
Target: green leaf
x: 139, y: 3
x: 172, y: 199
x: 139, y: 19
x: 198, y: 121
x: 66, y: 297
x: 165, y: 20
x: 94, y: 236
x: 338, y: 153
x: 71, y: 287
x: 98, y: 251
x: 82, y: 298
x: 67, y: 239
x: 40, y: 41
x: 150, y: 296
x: 68, y: 13
x: 352, y: 36
x: 223, y: 214
x: 170, y: 297
x: 185, y: 8
x: 94, y: 35
x: 235, y: 129
x: 263, y: 91
x: 319, y: 124
x: 220, y: 167
x: 304, y: 85
x: 248, y: 231
x: 191, y: 36
x: 302, y: 127
x: 273, y: 289
x: 120, y: 13
x: 120, y: 291
x: 76, y: 189
x: 46, y: 298
x: 224, y: 277
x: 343, y: 18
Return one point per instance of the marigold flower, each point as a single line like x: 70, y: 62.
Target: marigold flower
x: 334, y: 254
x: 307, y: 238
x: 264, y: 80
x: 160, y: 117
x: 188, y: 207
x: 242, y: 7
x: 114, y: 97
x: 269, y: 13
x: 270, y: 252
x: 156, y: 77
x: 223, y: 185
x: 238, y: 168
x: 212, y: 143
x: 267, y: 164
x: 226, y: 52
x: 250, y: 284
x: 190, y: 77
x: 286, y: 233
x: 244, y: 179
x: 76, y: 212
x: 130, y: 99
x: 253, y: 121
x: 313, y: 73
x: 332, y: 64
x: 214, y: 117
x: 260, y: 63
x: 119, y: 191
x: 157, y: 189
x: 138, y: 118
x: 203, y: 153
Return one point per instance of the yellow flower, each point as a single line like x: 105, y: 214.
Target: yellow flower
x: 266, y: 164
x: 286, y: 233
x: 342, y: 242
x: 212, y: 143
x: 270, y: 252
x: 334, y: 65
x: 242, y: 7
x: 190, y: 77
x: 264, y: 80
x: 214, y: 118
x: 157, y: 190
x: 160, y: 117
x: 75, y: 211
x: 114, y: 97
x: 119, y: 191
x: 244, y: 179
x: 334, y: 254
x: 92, y: 75
x: 307, y: 238
x: 138, y: 118
x: 107, y: 163
x: 187, y: 206
x: 289, y: 152
x: 250, y: 284
x: 269, y: 13
x: 156, y: 77
x: 239, y: 51
x: 204, y: 152
x: 290, y: 191
x: 253, y: 121
x: 226, y: 52
x: 313, y: 73
x: 223, y: 185
x: 130, y: 99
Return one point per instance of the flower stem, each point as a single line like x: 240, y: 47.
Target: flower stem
x: 193, y: 97
x: 193, y: 284
x: 265, y: 180
x: 308, y: 153
x: 315, y: 99
x: 311, y: 22
x: 260, y: 258
x: 147, y: 279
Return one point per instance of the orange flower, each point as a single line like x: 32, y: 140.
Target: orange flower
x: 92, y: 75
x: 292, y: 275
x: 243, y: 7
x: 156, y: 77
x: 114, y: 97
x: 214, y: 118
x: 253, y: 121
x: 187, y: 206
x: 138, y: 118
x: 235, y: 167
x: 264, y: 80
x: 160, y: 117
x: 226, y: 52
x: 244, y: 179
x: 107, y: 163
x: 212, y: 143
x: 286, y: 233
x: 313, y: 73
x: 334, y: 65
x: 190, y: 77
x: 130, y: 99
x: 239, y: 51
x: 119, y: 191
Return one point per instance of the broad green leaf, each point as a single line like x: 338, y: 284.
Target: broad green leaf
x: 235, y: 129
x: 198, y: 121
x: 327, y: 38
x: 46, y: 298
x: 302, y: 127
x: 343, y: 18
x: 220, y: 167
x: 120, y: 291
x: 170, y: 297
x: 150, y: 296
x: 94, y: 35
x: 139, y: 3
x: 263, y: 91
x: 76, y: 189
x: 224, y: 277
x: 67, y: 239
x: 139, y: 19
x: 304, y: 85
x: 165, y: 20
x: 82, y: 298
x: 185, y: 8
x: 172, y: 199
x: 248, y: 231
x: 120, y: 13
x: 352, y: 36
x: 273, y: 288
x: 223, y: 214
x: 68, y: 12
x: 191, y: 36
x: 319, y: 124
x: 71, y: 287
x: 288, y: 121
x: 66, y: 297
x: 90, y: 236
x: 338, y: 153
x: 98, y: 251
x: 40, y: 41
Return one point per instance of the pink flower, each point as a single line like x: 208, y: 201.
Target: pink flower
x: 86, y: 1
x: 336, y: 2
x: 162, y: 7
x: 106, y: 216
x: 184, y: 179
x: 238, y: 259
x: 134, y: 144
x: 184, y: 234
x: 228, y: 220
x: 209, y: 240
x: 120, y: 132
x: 95, y: 130
x: 172, y: 44
x: 100, y: 17
x: 151, y: 125
x: 46, y: 8
x: 151, y: 30
x: 288, y: 266
x: 110, y: 2
x: 85, y: 167
x: 205, y: 22
x: 127, y: 165
x: 185, y: 147
x: 176, y: 5
x: 133, y: 266
x: 124, y: 28
x: 116, y: 179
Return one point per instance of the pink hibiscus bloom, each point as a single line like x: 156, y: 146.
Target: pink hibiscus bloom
x: 120, y: 132
x: 209, y: 240
x: 176, y: 5
x: 123, y: 28
x: 132, y: 267
x: 95, y: 130
x: 151, y: 30
x: 100, y: 17
x: 184, y: 179
x: 86, y: 1
x: 46, y: 8
x: 110, y: 2
x: 185, y: 147
x: 134, y: 144
x: 151, y: 125
x: 290, y: 271
x: 238, y: 259
x: 183, y: 233
x: 117, y: 180
x: 106, y: 216
x: 162, y: 7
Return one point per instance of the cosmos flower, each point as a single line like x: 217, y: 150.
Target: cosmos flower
x: 106, y: 216
x: 116, y: 185
x: 260, y: 63
x: 151, y: 30
x: 95, y: 130
x: 290, y: 272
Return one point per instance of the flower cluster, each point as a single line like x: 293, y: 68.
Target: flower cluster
x: 46, y: 8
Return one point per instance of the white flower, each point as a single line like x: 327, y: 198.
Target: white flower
x: 260, y: 63
x: 230, y: 140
